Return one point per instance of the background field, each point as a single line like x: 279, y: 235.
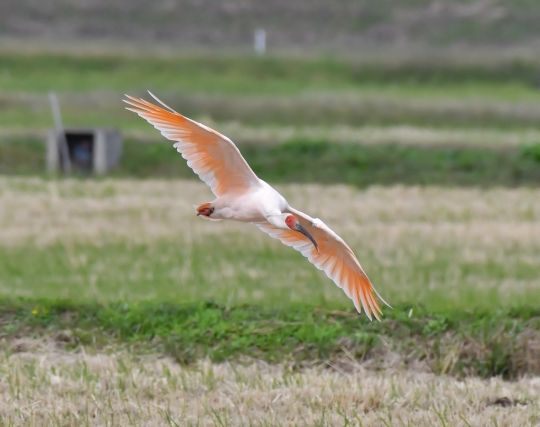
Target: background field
x: 115, y: 285
x: 411, y: 129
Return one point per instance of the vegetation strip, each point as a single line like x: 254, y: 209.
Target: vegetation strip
x: 246, y: 74
x: 273, y: 90
x: 306, y: 160
x: 504, y: 342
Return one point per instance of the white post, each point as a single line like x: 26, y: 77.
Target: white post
x: 59, y: 127
x: 100, y: 152
x: 259, y: 41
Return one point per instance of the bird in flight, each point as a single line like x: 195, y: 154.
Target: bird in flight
x: 242, y: 196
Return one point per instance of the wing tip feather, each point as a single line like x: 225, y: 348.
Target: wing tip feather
x: 161, y: 102
x: 363, y: 298
x: 381, y: 298
x: 366, y: 293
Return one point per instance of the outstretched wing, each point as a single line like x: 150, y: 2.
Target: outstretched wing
x: 334, y: 257
x: 211, y: 155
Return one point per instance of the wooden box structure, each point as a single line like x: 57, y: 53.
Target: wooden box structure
x: 90, y: 151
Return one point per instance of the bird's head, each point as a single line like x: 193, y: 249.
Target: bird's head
x: 292, y: 222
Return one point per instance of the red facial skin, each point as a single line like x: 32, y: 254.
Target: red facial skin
x: 206, y: 209
x: 291, y: 222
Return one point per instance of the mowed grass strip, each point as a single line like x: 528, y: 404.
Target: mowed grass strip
x: 328, y: 108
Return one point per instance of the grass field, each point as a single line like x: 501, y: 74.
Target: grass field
x: 440, y: 255
x: 66, y: 388
x: 297, y: 119
x: 273, y: 90
x: 116, y: 302
x: 140, y: 240
x: 314, y: 26
x: 93, y: 270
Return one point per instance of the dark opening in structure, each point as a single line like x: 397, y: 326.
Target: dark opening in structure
x: 80, y: 147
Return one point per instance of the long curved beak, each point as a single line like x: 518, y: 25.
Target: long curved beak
x: 306, y: 233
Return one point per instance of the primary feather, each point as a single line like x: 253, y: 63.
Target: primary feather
x: 211, y: 155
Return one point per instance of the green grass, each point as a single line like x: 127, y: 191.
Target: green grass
x: 246, y: 74
x: 232, y: 270
x: 289, y: 333
x: 305, y: 160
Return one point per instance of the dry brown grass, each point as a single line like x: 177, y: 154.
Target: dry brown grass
x: 59, y: 388
x: 402, y: 135
x: 42, y: 212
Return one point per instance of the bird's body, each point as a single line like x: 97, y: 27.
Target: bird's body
x: 253, y: 205
x: 242, y: 196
